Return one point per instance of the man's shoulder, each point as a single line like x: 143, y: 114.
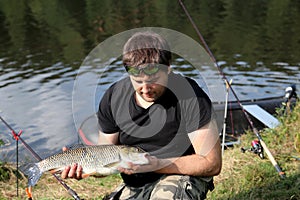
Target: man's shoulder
x: 185, y: 85
x: 121, y: 84
x: 117, y: 90
x: 177, y: 78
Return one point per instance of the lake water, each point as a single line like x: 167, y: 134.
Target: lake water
x: 44, y: 43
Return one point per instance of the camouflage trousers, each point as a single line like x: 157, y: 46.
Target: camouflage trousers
x: 170, y: 187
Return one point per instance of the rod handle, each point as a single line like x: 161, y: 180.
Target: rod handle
x: 272, y: 159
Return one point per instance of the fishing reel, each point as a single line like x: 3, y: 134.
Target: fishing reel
x: 255, y: 148
x: 290, y: 92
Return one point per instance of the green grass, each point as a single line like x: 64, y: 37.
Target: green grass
x: 244, y: 175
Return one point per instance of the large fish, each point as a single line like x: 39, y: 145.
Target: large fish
x: 101, y: 160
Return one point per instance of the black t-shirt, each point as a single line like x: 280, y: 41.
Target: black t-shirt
x: 162, y: 129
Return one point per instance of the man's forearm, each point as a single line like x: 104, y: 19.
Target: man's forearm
x: 194, y: 165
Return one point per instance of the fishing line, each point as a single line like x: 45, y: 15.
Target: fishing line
x: 270, y: 156
x: 17, y: 136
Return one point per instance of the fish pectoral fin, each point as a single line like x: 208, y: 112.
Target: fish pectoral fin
x: 96, y: 174
x: 56, y: 171
x: 110, y: 165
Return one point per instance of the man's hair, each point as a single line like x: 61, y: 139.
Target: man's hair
x: 144, y: 48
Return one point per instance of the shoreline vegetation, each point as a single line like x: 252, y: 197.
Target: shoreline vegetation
x: 243, y: 176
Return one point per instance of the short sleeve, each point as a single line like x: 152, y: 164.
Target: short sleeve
x: 106, y: 120
x: 198, y: 109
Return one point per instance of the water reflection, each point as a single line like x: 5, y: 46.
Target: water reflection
x: 43, y: 44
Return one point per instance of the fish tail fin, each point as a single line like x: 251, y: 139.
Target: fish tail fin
x: 33, y: 172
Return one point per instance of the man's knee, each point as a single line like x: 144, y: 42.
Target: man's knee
x: 180, y: 187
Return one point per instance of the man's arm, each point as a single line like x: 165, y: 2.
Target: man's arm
x: 104, y: 138
x: 207, y: 160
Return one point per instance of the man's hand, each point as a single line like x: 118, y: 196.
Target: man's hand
x: 154, y: 164
x: 73, y: 171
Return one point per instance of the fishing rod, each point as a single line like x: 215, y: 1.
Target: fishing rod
x: 17, y: 136
x: 225, y: 117
x: 268, y: 152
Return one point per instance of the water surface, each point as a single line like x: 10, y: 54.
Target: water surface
x: 43, y: 44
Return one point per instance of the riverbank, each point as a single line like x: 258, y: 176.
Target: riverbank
x: 244, y: 175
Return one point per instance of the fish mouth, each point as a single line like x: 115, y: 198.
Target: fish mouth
x: 143, y: 160
x: 146, y: 154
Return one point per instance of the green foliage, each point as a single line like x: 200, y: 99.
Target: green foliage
x: 4, y: 172
x: 72, y: 29
x: 1, y: 142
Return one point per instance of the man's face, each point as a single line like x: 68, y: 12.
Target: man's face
x: 150, y: 88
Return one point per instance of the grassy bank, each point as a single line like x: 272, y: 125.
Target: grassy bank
x: 247, y: 176
x: 49, y: 188
x: 244, y: 175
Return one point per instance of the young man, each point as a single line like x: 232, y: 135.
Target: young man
x: 165, y: 114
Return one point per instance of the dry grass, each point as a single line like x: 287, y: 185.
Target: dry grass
x: 49, y: 188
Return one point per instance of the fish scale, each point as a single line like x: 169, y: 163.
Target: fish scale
x: 84, y: 156
x: 100, y: 160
